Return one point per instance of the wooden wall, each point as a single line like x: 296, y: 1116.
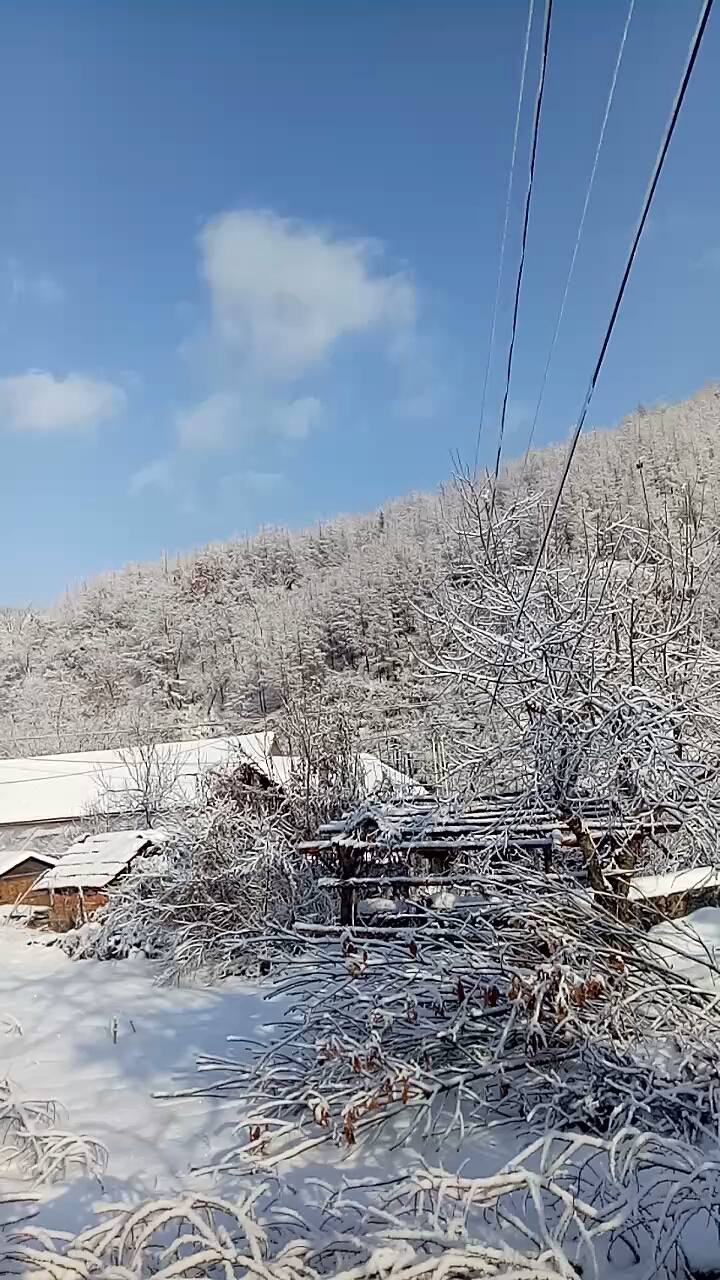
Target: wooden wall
x: 69, y: 908
x: 16, y: 884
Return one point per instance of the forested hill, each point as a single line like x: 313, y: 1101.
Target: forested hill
x: 238, y: 631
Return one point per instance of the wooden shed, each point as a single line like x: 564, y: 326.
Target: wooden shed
x: 19, y: 872
x: 80, y: 881
x: 410, y: 845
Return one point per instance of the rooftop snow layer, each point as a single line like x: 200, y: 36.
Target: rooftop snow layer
x: 74, y: 786
x: 95, y: 861
x: 63, y: 787
x: 643, y: 887
x: 14, y: 857
x: 373, y: 771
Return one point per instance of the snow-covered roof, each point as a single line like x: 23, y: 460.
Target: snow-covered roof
x: 643, y: 887
x: 77, y: 784
x: 378, y: 774
x: 13, y: 858
x: 375, y: 774
x: 690, y: 947
x: 74, y: 785
x: 95, y: 861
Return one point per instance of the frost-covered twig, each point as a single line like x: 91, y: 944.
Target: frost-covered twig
x: 528, y: 1004
x: 34, y: 1148
x: 564, y: 1204
x: 598, y: 678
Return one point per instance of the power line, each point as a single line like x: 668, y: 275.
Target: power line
x: 580, y: 229
x: 503, y: 241
x: 649, y: 194
x: 526, y: 222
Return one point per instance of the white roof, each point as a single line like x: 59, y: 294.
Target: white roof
x: 14, y: 857
x: 642, y: 887
x: 74, y: 785
x: 95, y: 861
x: 375, y: 773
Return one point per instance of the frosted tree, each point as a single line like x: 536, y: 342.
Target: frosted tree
x: 591, y: 674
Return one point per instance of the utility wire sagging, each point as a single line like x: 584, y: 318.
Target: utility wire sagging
x: 503, y: 241
x: 526, y: 223
x: 693, y: 51
x: 581, y: 225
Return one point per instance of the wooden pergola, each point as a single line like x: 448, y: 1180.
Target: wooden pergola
x: 411, y: 844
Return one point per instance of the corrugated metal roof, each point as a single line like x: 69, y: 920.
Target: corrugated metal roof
x: 74, y: 785
x: 95, y: 861
x: 15, y: 857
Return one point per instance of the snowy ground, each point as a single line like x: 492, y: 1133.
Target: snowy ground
x: 66, y: 1051
x: 691, y: 946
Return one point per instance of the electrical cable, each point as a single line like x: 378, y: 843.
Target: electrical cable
x: 690, y: 61
x: 526, y: 223
x: 645, y: 210
x: 503, y: 241
x: 580, y: 229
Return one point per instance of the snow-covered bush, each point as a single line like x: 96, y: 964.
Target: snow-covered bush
x: 565, y: 1205
x: 222, y: 895
x: 527, y: 1005
x: 35, y: 1148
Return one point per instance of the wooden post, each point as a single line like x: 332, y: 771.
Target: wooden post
x: 348, y: 869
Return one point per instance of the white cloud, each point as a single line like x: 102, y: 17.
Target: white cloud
x: 296, y: 419
x: 226, y: 419
x: 283, y: 295
x: 252, y: 483
x: 156, y: 475
x: 263, y: 481
x: 519, y: 415
x: 422, y: 384
x: 41, y: 402
x: 709, y: 260
x: 283, y: 292
x: 209, y: 424
x: 45, y: 289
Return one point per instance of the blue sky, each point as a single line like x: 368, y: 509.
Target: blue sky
x: 248, y: 253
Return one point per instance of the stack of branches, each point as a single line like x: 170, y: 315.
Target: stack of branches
x: 222, y: 895
x: 564, y: 1204
x: 525, y: 1003
x: 592, y: 672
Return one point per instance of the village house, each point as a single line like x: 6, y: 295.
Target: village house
x: 19, y: 873
x: 47, y: 804
x: 79, y: 882
x: 45, y: 801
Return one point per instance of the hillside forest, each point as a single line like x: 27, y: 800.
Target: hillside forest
x: 335, y: 624
x: 496, y: 1010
